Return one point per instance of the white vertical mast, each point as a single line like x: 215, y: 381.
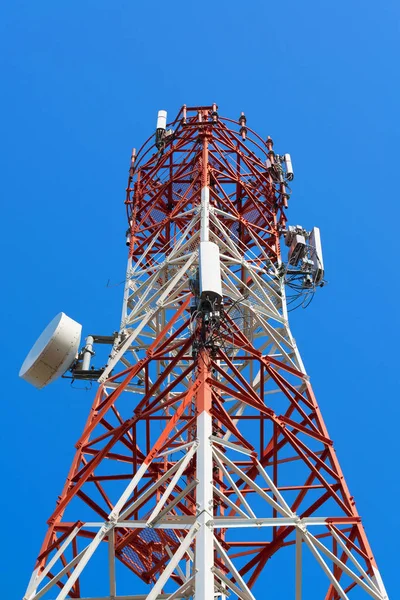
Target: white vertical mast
x: 205, y: 538
x: 204, y: 475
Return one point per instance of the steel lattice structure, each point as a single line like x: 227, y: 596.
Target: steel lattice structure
x: 205, y: 452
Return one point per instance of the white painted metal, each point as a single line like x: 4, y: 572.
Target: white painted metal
x: 177, y: 449
x: 182, y: 466
x: 174, y: 502
x: 128, y: 511
x: 205, y: 538
x: 174, y: 596
x: 53, y: 352
x: 37, y: 578
x: 235, y: 589
x: 299, y: 565
x: 111, y: 563
x: 84, y: 560
x: 229, y: 502
x: 180, y: 522
x: 147, y: 308
x: 128, y: 491
x: 178, y: 567
x: 231, y: 445
x: 235, y: 522
x: 234, y: 487
x: 56, y: 578
x: 380, y: 584
x: 326, y: 569
x: 278, y: 496
x: 193, y: 531
x: 233, y: 569
x: 343, y: 566
x: 352, y: 558
x: 183, y: 591
x: 205, y: 215
x: 282, y: 510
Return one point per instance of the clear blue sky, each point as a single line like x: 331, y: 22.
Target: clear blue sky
x: 81, y: 84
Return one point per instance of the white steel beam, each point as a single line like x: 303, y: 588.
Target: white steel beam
x: 205, y: 215
x: 299, y: 564
x: 57, y: 577
x: 235, y: 589
x: 36, y: 580
x: 343, y: 567
x: 205, y: 500
x: 128, y: 511
x: 183, y: 464
x: 153, y: 595
x: 233, y: 570
x: 252, y: 484
x: 355, y: 561
x: 84, y: 560
x: 111, y: 562
x: 325, y: 568
x: 178, y: 567
x: 234, y: 487
x: 174, y: 502
x: 229, y: 502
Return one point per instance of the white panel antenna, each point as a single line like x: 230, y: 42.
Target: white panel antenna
x: 297, y: 249
x: 289, y: 167
x: 209, y: 271
x: 316, y: 255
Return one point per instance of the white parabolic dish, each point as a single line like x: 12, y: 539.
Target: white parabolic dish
x: 53, y: 353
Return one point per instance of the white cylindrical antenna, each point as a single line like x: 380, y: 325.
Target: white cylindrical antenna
x: 289, y: 167
x: 162, y: 119
x: 88, y: 353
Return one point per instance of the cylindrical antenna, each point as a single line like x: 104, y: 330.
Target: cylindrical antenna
x: 162, y: 120
x: 160, y: 130
x: 242, y: 123
x: 133, y: 158
x: 289, y: 167
x: 214, y: 113
x: 87, y: 353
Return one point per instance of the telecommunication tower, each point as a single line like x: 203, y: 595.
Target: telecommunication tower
x: 205, y: 454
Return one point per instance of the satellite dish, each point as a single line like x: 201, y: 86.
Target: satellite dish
x: 53, y: 353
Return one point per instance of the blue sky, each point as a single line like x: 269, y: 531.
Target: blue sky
x: 81, y: 85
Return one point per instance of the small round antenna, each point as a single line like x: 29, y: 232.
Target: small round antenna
x: 53, y: 353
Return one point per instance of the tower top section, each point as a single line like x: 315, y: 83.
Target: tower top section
x: 248, y: 182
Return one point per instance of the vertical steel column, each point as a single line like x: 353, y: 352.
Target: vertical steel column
x: 205, y: 195
x: 205, y: 538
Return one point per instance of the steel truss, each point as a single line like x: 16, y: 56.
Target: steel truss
x: 205, y: 452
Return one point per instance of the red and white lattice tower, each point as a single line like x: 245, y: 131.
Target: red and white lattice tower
x: 205, y: 453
